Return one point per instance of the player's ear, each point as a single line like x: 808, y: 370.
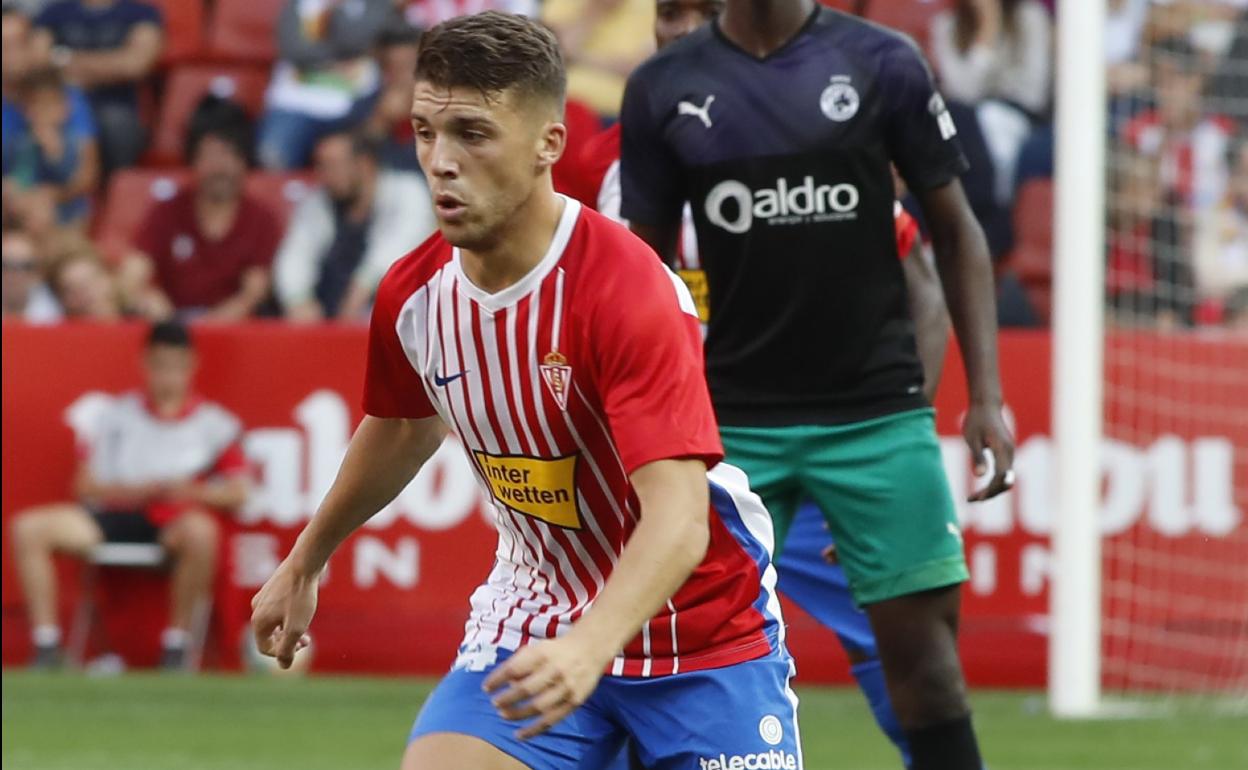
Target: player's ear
x: 551, y: 143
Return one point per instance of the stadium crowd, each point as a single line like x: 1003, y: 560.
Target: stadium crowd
x: 227, y: 159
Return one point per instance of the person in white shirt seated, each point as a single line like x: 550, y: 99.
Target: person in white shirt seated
x: 158, y: 465
x: 346, y: 234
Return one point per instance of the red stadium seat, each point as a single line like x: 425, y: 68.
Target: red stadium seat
x: 280, y: 191
x: 1032, y: 258
x: 184, y: 29
x: 913, y: 17
x: 245, y: 30
x: 186, y: 85
x: 131, y: 194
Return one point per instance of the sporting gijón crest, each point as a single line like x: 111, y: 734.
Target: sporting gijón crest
x: 558, y: 377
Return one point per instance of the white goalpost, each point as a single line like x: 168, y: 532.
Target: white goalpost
x: 1078, y: 339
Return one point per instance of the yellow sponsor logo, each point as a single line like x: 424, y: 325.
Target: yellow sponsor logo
x: 543, y: 489
x: 696, y: 281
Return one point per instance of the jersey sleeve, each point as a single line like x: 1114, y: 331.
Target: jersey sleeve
x: 392, y: 386
x: 650, y: 178
x: 919, y: 131
x: 650, y: 372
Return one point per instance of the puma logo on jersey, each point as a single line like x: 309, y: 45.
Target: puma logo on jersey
x: 702, y: 113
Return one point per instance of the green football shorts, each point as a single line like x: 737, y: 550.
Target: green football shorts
x: 882, y: 488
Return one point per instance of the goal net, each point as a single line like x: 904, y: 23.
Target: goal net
x: 1174, y: 510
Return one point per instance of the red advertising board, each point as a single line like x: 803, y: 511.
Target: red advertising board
x: 396, y: 595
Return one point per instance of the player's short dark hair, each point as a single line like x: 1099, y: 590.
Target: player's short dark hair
x: 494, y: 52
x: 171, y: 334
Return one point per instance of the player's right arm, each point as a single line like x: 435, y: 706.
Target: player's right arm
x: 383, y: 456
x: 651, y: 189
x: 400, y: 432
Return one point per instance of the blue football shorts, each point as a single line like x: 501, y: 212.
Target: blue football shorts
x: 819, y: 588
x: 738, y: 716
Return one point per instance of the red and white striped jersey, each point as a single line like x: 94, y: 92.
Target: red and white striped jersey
x: 559, y: 387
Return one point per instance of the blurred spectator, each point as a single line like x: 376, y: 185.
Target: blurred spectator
x: 996, y: 55
x: 391, y: 121
x: 1221, y: 244
x: 325, y: 80
x: 1229, y: 88
x: 49, y: 149
x: 603, y: 41
x: 995, y: 49
x: 26, y: 297
x: 1190, y: 144
x: 344, y: 236
x: 424, y: 14
x: 84, y: 287
x: 108, y: 47
x: 158, y: 466
x: 206, y: 251
x: 1125, y: 23
x: 1149, y: 277
x: 1235, y: 311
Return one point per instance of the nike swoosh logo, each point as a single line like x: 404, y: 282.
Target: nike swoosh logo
x: 442, y: 382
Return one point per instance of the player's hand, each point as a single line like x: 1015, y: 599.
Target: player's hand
x: 282, y: 611
x: 548, y: 680
x: 990, y: 442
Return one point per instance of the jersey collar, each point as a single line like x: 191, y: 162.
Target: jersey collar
x: 780, y: 49
x: 501, y: 299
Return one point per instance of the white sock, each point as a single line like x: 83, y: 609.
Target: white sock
x: 173, y: 638
x: 46, y: 636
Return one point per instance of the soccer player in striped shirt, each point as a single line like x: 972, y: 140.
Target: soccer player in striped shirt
x: 632, y: 594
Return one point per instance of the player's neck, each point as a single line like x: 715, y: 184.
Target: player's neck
x: 521, y: 245
x: 760, y: 27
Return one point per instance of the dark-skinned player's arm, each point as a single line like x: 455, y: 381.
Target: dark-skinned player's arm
x: 923, y: 145
x: 931, y: 317
x: 967, y: 277
x: 550, y: 679
x: 383, y: 456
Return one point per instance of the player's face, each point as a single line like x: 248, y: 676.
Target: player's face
x: 483, y: 158
x: 676, y: 18
x: 170, y: 369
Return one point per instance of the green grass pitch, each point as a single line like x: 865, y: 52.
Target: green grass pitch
x: 150, y: 722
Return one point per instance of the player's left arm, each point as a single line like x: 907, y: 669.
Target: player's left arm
x: 922, y: 140
x: 930, y: 315
x: 966, y: 275
x: 551, y: 679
